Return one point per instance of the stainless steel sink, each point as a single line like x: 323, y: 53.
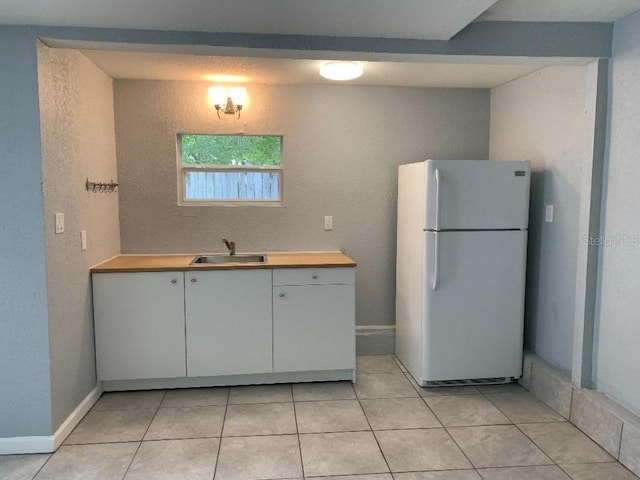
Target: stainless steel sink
x: 224, y: 258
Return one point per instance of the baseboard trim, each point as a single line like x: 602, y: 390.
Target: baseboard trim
x: 78, y: 414
x: 605, y: 421
x: 49, y: 443
x: 375, y: 339
x: 17, y: 445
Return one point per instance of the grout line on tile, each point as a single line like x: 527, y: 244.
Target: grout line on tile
x: 399, y: 363
x: 431, y: 410
x: 620, y: 442
x: 224, y: 420
x: 326, y: 433
x: 538, y: 421
x: 538, y: 446
x: 295, y: 418
x: 503, y: 413
x: 411, y: 380
x: 563, y: 470
x: 627, y: 469
x: 387, y: 398
x: 592, y: 440
x: 126, y: 472
x: 394, y: 474
x: 195, y: 406
x: 144, y: 435
x: 459, y: 448
x: 423, y: 398
x: 167, y: 439
x: 278, y: 434
x: 333, y: 400
x: 480, y: 425
x: 373, y: 433
x: 252, y: 403
x: 45, y: 462
x: 405, y: 428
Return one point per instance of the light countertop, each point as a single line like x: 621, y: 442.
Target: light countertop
x: 172, y: 262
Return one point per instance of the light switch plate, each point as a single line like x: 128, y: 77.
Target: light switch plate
x: 83, y: 240
x: 328, y: 222
x: 59, y: 223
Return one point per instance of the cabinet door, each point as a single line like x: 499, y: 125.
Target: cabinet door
x: 228, y: 316
x: 139, y: 325
x: 313, y: 328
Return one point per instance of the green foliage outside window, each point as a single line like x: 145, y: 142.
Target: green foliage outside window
x: 257, y: 150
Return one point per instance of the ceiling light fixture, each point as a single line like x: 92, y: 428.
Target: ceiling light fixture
x: 230, y: 100
x: 341, y: 71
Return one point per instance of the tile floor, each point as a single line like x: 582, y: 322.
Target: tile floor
x: 386, y: 428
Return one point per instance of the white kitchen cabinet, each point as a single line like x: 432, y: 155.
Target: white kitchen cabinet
x: 173, y: 329
x: 313, y: 319
x: 228, y: 322
x: 139, y: 325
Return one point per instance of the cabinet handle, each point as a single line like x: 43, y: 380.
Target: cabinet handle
x: 281, y: 295
x: 173, y: 280
x: 314, y: 276
x: 194, y: 280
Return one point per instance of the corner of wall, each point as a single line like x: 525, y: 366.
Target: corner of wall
x: 78, y: 142
x: 614, y: 428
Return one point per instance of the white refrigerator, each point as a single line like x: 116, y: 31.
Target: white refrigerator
x: 460, y: 276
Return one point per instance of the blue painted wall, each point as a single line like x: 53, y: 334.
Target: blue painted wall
x: 25, y: 395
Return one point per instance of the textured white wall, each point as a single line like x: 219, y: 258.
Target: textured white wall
x: 78, y: 141
x: 543, y: 117
x: 617, y: 355
x: 342, y: 148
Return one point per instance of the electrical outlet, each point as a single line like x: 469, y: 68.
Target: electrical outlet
x: 548, y: 214
x: 328, y: 222
x: 59, y: 223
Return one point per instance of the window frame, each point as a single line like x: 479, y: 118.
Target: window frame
x: 183, y: 168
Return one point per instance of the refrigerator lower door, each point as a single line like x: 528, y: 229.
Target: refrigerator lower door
x: 474, y: 305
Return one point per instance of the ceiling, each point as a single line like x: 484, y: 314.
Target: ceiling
x: 415, y: 19
x: 237, y: 70
x: 560, y: 10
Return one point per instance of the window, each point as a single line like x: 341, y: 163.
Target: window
x: 229, y: 169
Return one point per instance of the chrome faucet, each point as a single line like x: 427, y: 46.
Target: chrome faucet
x: 230, y: 245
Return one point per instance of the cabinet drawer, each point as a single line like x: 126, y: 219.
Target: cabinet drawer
x: 314, y: 276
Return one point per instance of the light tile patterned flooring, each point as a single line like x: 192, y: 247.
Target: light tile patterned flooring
x: 387, y: 428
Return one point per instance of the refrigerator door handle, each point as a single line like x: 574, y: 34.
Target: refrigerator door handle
x: 437, y: 222
x: 436, y: 261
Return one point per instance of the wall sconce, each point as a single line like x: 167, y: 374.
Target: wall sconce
x: 229, y: 101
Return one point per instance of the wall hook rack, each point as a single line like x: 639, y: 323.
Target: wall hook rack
x: 99, y: 187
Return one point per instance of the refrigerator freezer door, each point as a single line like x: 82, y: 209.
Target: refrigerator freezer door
x: 477, y: 194
x: 474, y: 305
